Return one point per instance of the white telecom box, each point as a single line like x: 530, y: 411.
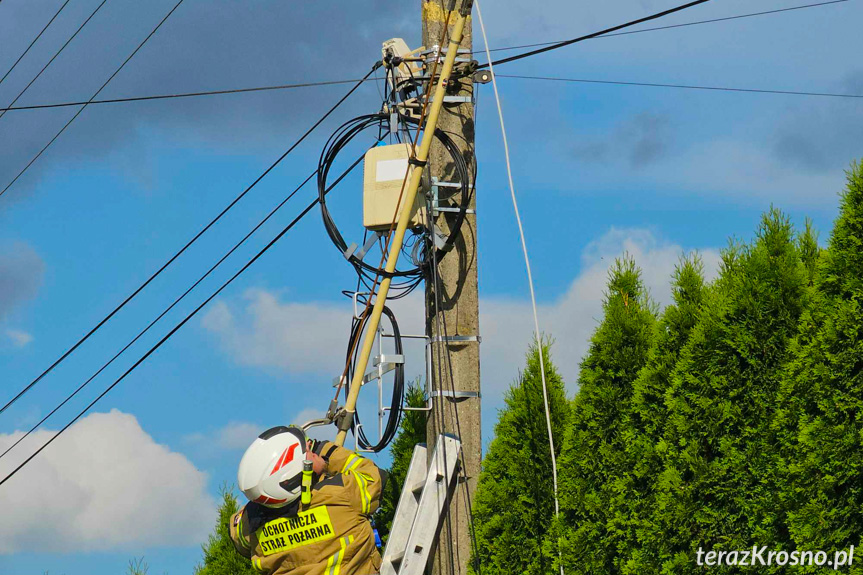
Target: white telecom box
x: 384, y: 172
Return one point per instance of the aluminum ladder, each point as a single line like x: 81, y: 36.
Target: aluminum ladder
x: 422, y: 504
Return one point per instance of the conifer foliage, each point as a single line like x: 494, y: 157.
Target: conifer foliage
x: 514, y: 505
x: 220, y: 557
x: 646, y: 448
x: 593, y: 467
x: 823, y: 395
x: 722, y: 399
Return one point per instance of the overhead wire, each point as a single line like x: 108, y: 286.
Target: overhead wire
x: 95, y: 95
x: 54, y: 57
x: 565, y: 43
x: 685, y: 86
x: 683, y: 25
x: 188, y: 244
x: 521, y: 46
x: 162, y: 341
x: 36, y: 39
x: 537, y: 332
x: 185, y: 95
x: 176, y: 302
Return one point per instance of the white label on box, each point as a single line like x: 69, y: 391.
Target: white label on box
x: 388, y: 170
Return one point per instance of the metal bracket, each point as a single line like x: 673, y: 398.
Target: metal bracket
x: 439, y: 238
x: 456, y: 394
x: 384, y: 359
x: 435, y: 193
x: 366, y: 247
x: 383, y: 365
x: 436, y: 52
x: 455, y: 339
x: 354, y: 297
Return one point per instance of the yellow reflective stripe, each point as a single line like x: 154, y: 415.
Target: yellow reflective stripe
x: 362, y: 481
x: 352, y: 461
x: 256, y: 563
x: 334, y: 563
x: 244, y: 541
x: 355, y: 463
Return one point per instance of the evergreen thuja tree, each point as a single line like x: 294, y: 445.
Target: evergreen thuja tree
x: 822, y: 396
x: 722, y: 400
x: 593, y: 465
x: 220, y: 557
x: 412, y: 431
x: 645, y: 447
x: 514, y: 504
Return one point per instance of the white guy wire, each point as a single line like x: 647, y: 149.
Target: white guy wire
x: 529, y: 275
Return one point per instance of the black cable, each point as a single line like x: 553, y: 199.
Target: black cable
x: 36, y: 39
x: 183, y: 95
x: 54, y: 57
x: 188, y: 244
x: 340, y: 138
x: 595, y: 34
x: 78, y: 113
x: 397, y: 401
x: 684, y: 86
x: 312, y: 84
x: 440, y: 320
x: 684, y: 25
x: 153, y: 349
x: 176, y: 301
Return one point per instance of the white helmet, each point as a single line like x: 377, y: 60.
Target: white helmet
x: 271, y: 470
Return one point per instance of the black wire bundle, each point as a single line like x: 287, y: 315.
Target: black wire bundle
x: 398, y: 396
x: 413, y: 276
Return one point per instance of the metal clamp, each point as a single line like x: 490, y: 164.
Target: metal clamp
x: 455, y: 339
x: 436, y: 185
x: 456, y: 394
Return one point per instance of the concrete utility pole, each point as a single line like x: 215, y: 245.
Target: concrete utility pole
x: 460, y: 307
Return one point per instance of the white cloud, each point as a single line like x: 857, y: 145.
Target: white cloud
x: 308, y: 337
x: 507, y: 324
x: 237, y: 435
x: 19, y: 338
x: 297, y: 337
x: 103, y: 485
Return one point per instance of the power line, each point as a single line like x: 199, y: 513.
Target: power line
x: 187, y: 94
x: 178, y: 300
x: 685, y: 86
x: 187, y: 245
x: 36, y: 39
x: 54, y: 57
x: 153, y: 349
x: 84, y: 107
x: 595, y: 34
x: 333, y: 82
x: 684, y: 25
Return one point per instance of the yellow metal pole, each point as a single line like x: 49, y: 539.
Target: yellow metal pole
x: 404, y: 219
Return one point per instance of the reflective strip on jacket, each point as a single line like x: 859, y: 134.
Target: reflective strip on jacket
x: 331, y: 535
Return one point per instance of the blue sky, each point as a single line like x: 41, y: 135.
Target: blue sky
x: 598, y: 169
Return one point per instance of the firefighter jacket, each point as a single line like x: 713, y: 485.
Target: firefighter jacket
x: 331, y: 535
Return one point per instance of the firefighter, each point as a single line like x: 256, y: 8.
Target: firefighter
x: 312, y: 522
